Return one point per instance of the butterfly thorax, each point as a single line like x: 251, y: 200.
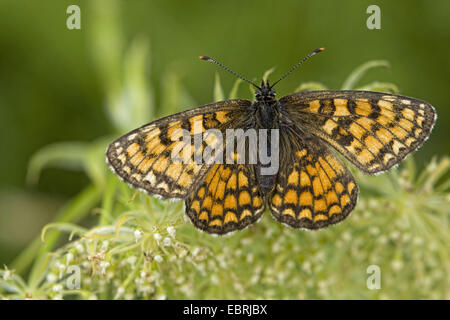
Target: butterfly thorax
x: 267, y: 112
x: 266, y: 107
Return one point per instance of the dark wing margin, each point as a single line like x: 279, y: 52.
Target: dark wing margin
x: 373, y: 130
x: 143, y: 157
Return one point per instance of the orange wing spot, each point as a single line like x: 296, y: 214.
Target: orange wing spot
x: 408, y: 114
x: 174, y: 170
x: 291, y: 197
x: 201, y: 192
x: 330, y: 172
x: 132, y: 149
x: 329, y: 126
x: 385, y: 104
x: 356, y: 130
x: 339, y: 187
x: 197, y: 124
x: 276, y: 200
x: 362, y: 111
x: 137, y: 158
x: 195, y: 205
x: 334, y: 210
x: 341, y: 108
x: 317, y: 187
x: 363, y: 107
x: 345, y: 199
x: 365, y: 156
x: 257, y: 201
x: 160, y: 164
x: 387, y: 114
x: 350, y: 187
x: 373, y: 144
x: 384, y: 135
x: 289, y: 211
x: 319, y: 217
x: 406, y: 124
x: 216, y: 222
x: 243, y: 181
x: 245, y: 213
x: 244, y: 198
x: 326, y: 183
x: 314, y: 106
x: 222, y: 117
x: 293, y: 177
x: 215, y: 181
x: 217, y: 210
x: 332, y: 197
x: 335, y: 164
x: 399, y: 132
x: 305, y: 213
x: 207, y: 203
x: 319, y: 205
x: 174, y: 132
x: 311, y: 170
x: 220, y: 192
x: 300, y: 154
x: 231, y: 184
x: 230, y: 202
x: 420, y: 120
x: 152, y: 144
x: 396, y: 146
x: 306, y: 198
x: 230, y: 217
x: 409, y: 141
x: 204, y: 216
x: 366, y: 123
x: 417, y: 132
x: 152, y: 134
x: 226, y: 173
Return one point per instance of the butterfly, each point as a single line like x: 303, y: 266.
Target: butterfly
x: 311, y: 187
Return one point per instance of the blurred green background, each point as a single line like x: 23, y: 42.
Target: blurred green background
x: 52, y: 80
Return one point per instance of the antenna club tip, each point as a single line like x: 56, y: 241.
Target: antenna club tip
x: 321, y: 49
x: 204, y: 58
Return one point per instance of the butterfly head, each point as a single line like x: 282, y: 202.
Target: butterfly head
x: 265, y: 92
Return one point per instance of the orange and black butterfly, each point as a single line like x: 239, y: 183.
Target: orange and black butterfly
x: 311, y: 189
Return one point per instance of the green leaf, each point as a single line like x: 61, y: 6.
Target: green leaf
x: 268, y: 73
x: 63, y: 226
x: 310, y: 86
x: 67, y: 155
x: 360, y: 71
x: 380, y: 87
x: 234, y: 89
x: 139, y: 95
x: 74, y: 211
x: 174, y: 96
x: 218, y: 91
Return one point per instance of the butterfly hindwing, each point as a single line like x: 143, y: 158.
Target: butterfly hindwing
x: 373, y: 130
x: 313, y: 188
x: 144, y: 158
x: 228, y: 199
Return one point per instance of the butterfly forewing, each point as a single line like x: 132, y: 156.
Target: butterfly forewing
x: 373, y: 130
x: 145, y: 159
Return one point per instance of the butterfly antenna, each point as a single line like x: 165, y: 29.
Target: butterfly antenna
x: 298, y: 65
x: 227, y: 69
